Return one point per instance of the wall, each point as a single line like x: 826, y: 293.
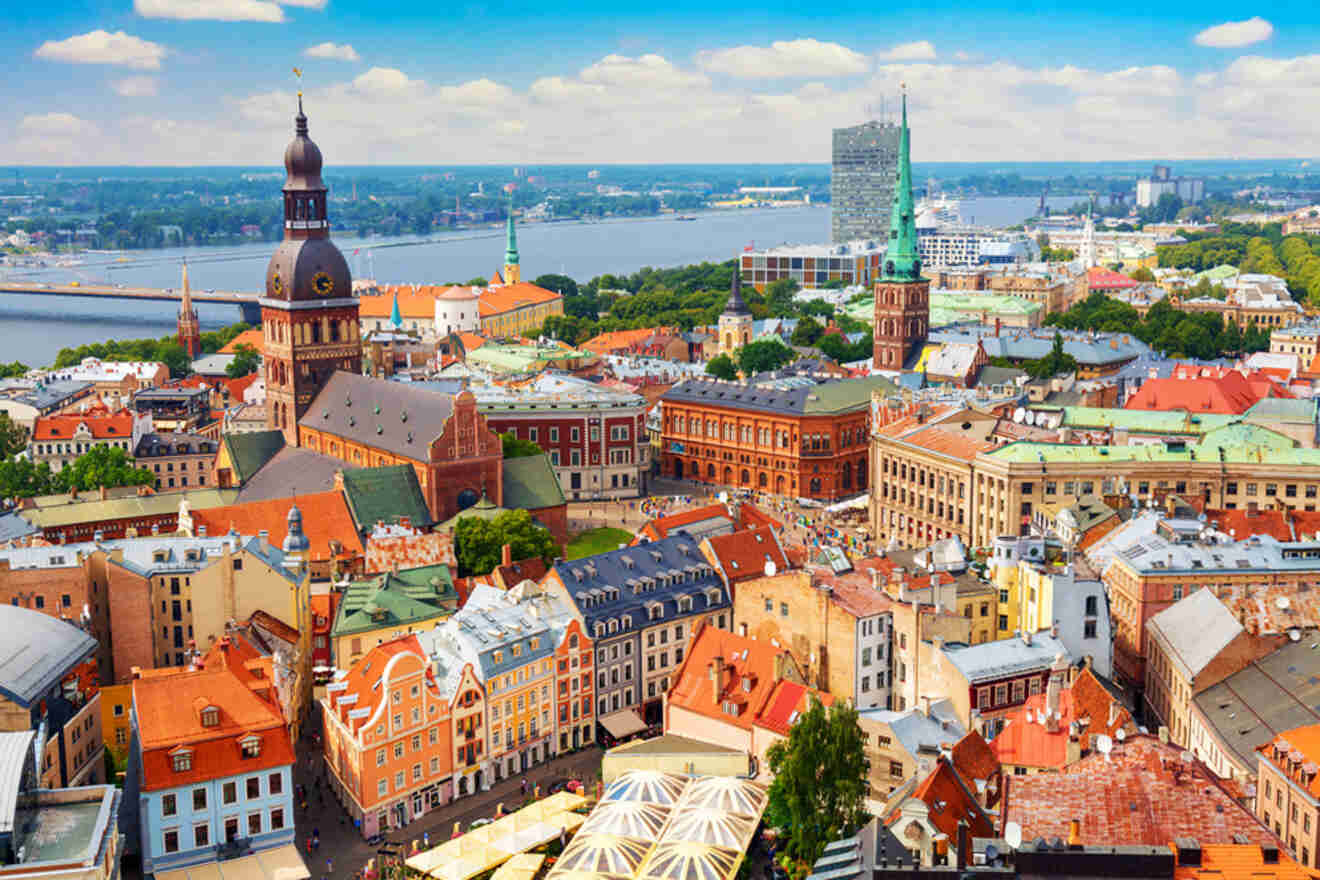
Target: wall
x: 63, y: 591
x: 131, y: 616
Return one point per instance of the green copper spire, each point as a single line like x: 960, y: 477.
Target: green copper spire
x: 901, y: 260
x: 395, y: 317
x: 511, y: 239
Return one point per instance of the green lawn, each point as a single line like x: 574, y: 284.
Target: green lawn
x: 594, y: 541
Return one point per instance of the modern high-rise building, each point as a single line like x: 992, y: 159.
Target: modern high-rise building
x: 862, y: 181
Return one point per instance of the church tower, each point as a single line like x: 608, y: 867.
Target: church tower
x: 902, y: 296
x: 309, y: 315
x: 190, y: 330
x: 512, y: 274
x: 735, y: 324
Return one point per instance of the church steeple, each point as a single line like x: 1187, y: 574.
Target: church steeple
x: 190, y: 331
x: 902, y: 262
x: 396, y: 318
x: 512, y: 273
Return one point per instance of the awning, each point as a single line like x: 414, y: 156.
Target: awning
x: 277, y: 863
x: 520, y: 867
x: 857, y: 503
x: 623, y: 723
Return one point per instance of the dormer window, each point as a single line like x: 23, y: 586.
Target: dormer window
x: 181, y: 760
x: 158, y: 556
x: 498, y: 657
x: 210, y: 716
x: 250, y: 745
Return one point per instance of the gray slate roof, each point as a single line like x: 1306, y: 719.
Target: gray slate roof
x: 785, y: 392
x: 395, y: 416
x: 1005, y: 658
x: 1196, y: 629
x: 918, y: 731
x: 291, y: 470
x: 36, y: 651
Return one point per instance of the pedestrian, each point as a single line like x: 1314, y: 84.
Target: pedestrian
x: 524, y: 787
x: 329, y: 864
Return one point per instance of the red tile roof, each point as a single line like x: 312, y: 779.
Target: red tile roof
x: 1227, y: 392
x: 745, y: 554
x: 974, y: 760
x: 324, y: 607
x: 169, y: 706
x: 252, y: 337
x: 325, y: 518
x: 950, y: 801
x: 100, y: 421
x: 1100, y: 278
x: 1227, y: 861
x: 615, y: 340
x: 747, y: 516
x: 500, y: 299
x: 788, y: 700
x: 1085, y: 701
x: 1143, y: 793
x: 410, y: 551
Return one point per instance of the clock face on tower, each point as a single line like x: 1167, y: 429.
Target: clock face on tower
x: 276, y: 284
x: 323, y: 284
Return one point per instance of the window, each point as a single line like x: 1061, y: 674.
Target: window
x: 274, y: 783
x: 229, y: 793
x: 1001, y: 694
x: 383, y: 787
x: 202, y: 834
x: 254, y: 824
x: 253, y: 787
x: 251, y: 747
x: 172, y: 840
x: 783, y: 609
x: 896, y: 769
x: 1088, y: 629
x: 181, y: 761
x: 277, y: 819
x: 169, y: 805
x: 199, y: 799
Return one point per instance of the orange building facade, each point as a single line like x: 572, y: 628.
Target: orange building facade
x: 388, y: 738
x: 575, y: 721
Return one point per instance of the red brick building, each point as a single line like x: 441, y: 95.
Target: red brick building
x: 795, y: 435
x: 367, y: 422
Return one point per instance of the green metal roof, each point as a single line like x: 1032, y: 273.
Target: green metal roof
x: 396, y: 599
x: 248, y: 453
x: 385, y: 493
x: 1238, y: 444
x: 523, y: 358
x: 483, y: 509
x: 844, y: 395
x: 1145, y: 421
x: 530, y: 483
x: 1284, y: 410
x: 901, y: 262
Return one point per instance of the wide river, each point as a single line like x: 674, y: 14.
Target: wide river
x: 34, y: 328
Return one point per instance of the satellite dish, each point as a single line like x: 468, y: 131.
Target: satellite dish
x: 1282, y: 603
x: 1013, y: 835
x: 769, y: 568
x: 724, y: 497
x: 1294, y: 635
x: 1104, y: 745
x: 1120, y: 734
x: 1019, y: 414
x: 991, y: 853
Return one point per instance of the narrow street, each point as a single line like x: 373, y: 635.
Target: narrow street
x: 346, y: 849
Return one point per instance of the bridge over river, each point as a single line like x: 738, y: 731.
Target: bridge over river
x: 246, y: 301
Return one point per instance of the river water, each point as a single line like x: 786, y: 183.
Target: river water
x: 34, y: 328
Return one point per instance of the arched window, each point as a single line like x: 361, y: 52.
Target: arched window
x: 815, y: 485
x: 467, y: 498
x: 710, y: 471
x: 746, y: 477
x: 847, y: 475
x: 763, y: 480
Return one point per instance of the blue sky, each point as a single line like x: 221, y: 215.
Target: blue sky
x: 208, y: 81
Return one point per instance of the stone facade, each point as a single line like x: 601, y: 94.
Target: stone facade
x: 862, y: 180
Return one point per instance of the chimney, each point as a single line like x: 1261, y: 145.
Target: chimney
x: 506, y: 555
x: 1074, y: 833
x: 1164, y: 734
x: 925, y: 705
x: 103, y: 493
x: 1054, y: 630
x: 1053, y: 691
x: 997, y: 324
x: 339, y: 481
x: 964, y: 842
x: 1026, y: 637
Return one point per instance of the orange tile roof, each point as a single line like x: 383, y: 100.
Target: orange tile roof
x: 745, y: 554
x: 950, y: 801
x: 324, y: 606
x: 615, y: 340
x: 1228, y: 861
x: 1303, y: 744
x: 855, y: 591
x: 747, y: 516
x: 1242, y: 524
x: 1143, y: 793
x: 788, y: 700
x: 500, y: 299
x: 415, y: 301
x: 325, y: 518
x: 169, y: 708
x: 746, y: 684
x: 471, y: 341
x: 410, y: 551
x: 362, y: 680
x: 102, y: 423
x: 253, y: 337
x: 1227, y: 392
x: 949, y: 442
x: 1085, y: 701
x: 973, y: 758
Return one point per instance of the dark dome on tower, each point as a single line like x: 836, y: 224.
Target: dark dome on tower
x: 306, y: 265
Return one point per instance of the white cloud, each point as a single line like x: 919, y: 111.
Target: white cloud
x: 333, y: 52
x: 305, y: 4
x: 960, y: 55
x: 103, y: 47
x: 210, y: 10
x: 136, y: 86
x: 1235, y: 34
x: 649, y: 108
x: 785, y: 59
x: 921, y: 50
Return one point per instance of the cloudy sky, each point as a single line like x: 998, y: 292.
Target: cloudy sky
x: 192, y: 82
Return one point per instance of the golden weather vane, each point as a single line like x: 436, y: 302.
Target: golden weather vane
x: 297, y: 71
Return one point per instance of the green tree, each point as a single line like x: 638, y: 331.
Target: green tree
x: 1054, y: 363
x: 479, y: 542
x: 13, y: 370
x: 475, y: 282
x: 13, y: 437
x: 514, y: 447
x: 779, y: 297
x: 807, y: 331
x: 21, y: 478
x: 762, y: 355
x: 102, y: 466
x: 1143, y: 273
x: 820, y: 780
x: 245, y: 362
x: 721, y: 367
x: 560, y: 284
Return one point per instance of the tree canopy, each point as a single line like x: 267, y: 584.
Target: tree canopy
x: 820, y: 780
x: 245, y: 362
x: 100, y: 466
x: 480, y: 543
x: 13, y: 436
x: 721, y: 367
x: 1200, y: 335
x: 515, y: 447
x: 763, y: 355
x: 165, y: 350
